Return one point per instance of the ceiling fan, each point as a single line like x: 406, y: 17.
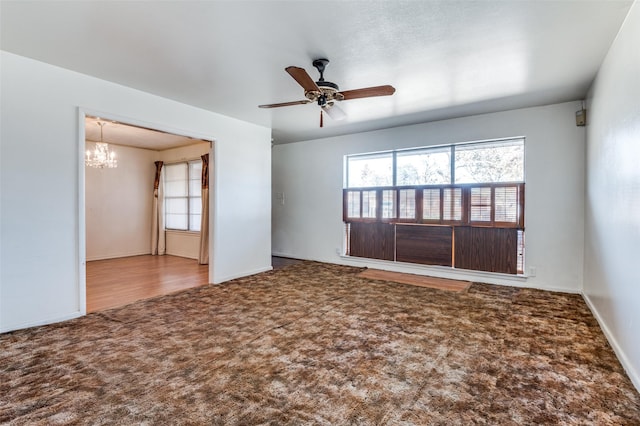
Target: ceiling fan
x: 326, y: 93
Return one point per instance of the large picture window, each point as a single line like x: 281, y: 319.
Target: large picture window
x: 498, y: 161
x: 489, y: 162
x: 424, y: 167
x: 459, y: 188
x: 183, y: 195
x: 371, y: 170
x: 466, y: 184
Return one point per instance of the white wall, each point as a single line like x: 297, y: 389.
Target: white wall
x: 612, y: 228
x: 183, y: 244
x: 42, y: 210
x: 118, y: 204
x: 242, y: 197
x: 180, y: 243
x: 310, y: 174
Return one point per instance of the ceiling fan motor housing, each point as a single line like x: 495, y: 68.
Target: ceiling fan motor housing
x: 326, y: 93
x: 329, y: 91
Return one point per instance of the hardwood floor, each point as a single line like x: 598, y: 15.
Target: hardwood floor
x: 117, y: 282
x: 419, y: 280
x: 280, y: 262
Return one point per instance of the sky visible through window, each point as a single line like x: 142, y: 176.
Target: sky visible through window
x: 490, y: 162
x: 487, y: 162
x: 371, y: 170
x: 426, y: 167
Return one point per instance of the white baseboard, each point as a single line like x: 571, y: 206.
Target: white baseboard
x: 287, y: 255
x: 183, y: 255
x: 41, y: 322
x: 436, y: 271
x: 622, y: 357
x: 241, y: 275
x: 116, y: 255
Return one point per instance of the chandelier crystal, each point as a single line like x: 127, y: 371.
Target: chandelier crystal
x: 101, y: 157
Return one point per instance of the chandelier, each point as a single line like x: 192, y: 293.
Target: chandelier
x: 101, y: 157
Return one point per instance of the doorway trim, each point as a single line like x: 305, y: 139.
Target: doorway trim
x: 81, y: 233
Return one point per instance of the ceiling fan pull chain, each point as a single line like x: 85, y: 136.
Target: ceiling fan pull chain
x: 321, y: 124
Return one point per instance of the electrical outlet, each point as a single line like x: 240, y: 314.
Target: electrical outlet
x: 338, y: 251
x: 533, y: 271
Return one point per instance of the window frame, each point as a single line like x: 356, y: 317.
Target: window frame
x: 435, y: 148
x: 189, y: 197
x: 502, y: 202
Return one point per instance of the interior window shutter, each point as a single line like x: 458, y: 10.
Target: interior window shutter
x: 452, y: 204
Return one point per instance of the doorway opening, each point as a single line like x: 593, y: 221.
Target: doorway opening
x: 136, y: 244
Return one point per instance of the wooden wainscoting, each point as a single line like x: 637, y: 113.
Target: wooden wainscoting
x: 487, y: 249
x: 430, y: 245
x: 373, y: 240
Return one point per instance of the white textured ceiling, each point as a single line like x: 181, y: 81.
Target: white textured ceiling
x: 117, y: 133
x: 445, y: 58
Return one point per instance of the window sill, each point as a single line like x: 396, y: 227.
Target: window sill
x: 439, y: 271
x: 180, y: 232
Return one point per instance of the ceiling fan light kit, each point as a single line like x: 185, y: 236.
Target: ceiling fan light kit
x: 326, y: 93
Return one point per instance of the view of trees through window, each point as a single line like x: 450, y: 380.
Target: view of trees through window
x: 490, y: 162
x: 442, y: 205
x: 371, y: 170
x: 485, y: 162
x: 424, y: 167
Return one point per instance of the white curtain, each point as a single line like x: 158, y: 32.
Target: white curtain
x: 203, y: 258
x: 158, y: 245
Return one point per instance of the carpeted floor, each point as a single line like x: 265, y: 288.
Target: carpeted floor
x: 313, y: 343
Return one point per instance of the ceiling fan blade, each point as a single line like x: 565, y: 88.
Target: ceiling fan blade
x: 368, y: 92
x: 334, y: 111
x: 306, y: 101
x: 303, y: 79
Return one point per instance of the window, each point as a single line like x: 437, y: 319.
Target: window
x: 424, y: 167
x: 431, y: 204
x: 478, y: 184
x: 353, y: 204
x: 370, y: 170
x: 407, y: 204
x: 464, y: 198
x: 388, y: 204
x: 369, y: 204
x: 452, y: 204
x: 490, y: 162
x: 506, y: 204
x: 469, y: 163
x: 480, y: 206
x: 183, y: 195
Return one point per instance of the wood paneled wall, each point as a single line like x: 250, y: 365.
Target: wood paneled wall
x: 430, y: 245
x: 486, y: 249
x: 464, y: 247
x: 372, y: 240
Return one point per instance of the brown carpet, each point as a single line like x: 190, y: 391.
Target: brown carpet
x: 314, y: 344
